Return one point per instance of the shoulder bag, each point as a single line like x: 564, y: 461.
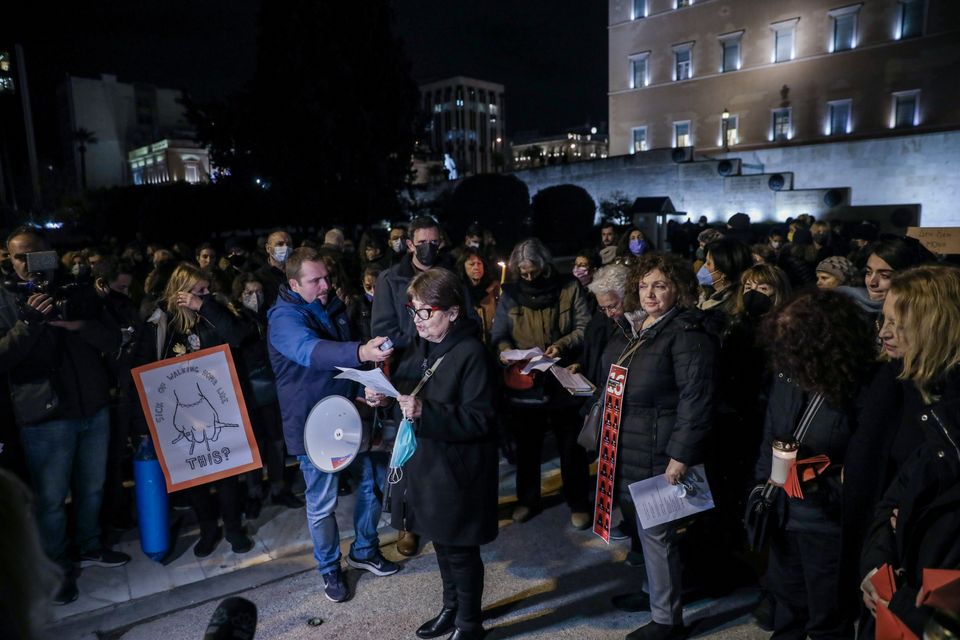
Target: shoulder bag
x: 589, y: 437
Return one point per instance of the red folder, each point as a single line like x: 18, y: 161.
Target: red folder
x: 804, y: 471
x: 889, y: 626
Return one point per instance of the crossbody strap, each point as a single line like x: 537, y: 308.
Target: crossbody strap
x: 806, y: 419
x: 630, y: 351
x: 426, y: 376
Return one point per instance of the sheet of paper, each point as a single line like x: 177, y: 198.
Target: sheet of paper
x: 540, y: 363
x: 514, y: 355
x: 573, y: 382
x: 373, y: 379
x: 658, y: 502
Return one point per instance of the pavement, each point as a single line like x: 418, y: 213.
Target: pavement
x: 543, y: 580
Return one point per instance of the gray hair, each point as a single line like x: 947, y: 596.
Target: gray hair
x: 531, y: 251
x: 610, y: 279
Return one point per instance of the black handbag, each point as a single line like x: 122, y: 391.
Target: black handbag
x: 766, y: 506
x: 589, y: 437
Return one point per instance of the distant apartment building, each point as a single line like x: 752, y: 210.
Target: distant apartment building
x: 748, y: 74
x: 122, y: 117
x: 465, y: 120
x: 575, y: 145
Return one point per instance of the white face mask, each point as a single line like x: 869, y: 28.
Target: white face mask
x: 280, y: 253
x: 252, y: 300
x: 397, y: 245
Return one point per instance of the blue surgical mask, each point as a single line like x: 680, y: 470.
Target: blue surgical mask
x: 405, y: 444
x: 638, y: 246
x: 705, y: 277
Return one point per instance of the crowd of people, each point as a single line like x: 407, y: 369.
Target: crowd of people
x: 735, y: 338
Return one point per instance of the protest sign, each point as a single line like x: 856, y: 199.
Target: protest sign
x: 197, y: 417
x: 939, y: 240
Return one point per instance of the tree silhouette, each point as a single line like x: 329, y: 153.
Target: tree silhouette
x: 83, y: 137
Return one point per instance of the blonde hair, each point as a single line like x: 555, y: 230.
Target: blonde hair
x: 184, y: 278
x: 928, y: 308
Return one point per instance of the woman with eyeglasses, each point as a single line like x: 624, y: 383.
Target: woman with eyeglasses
x: 541, y: 308
x: 449, y: 487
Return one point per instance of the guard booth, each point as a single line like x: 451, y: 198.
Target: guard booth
x: 651, y: 215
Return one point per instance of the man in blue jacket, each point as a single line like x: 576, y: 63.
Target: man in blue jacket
x: 308, y: 337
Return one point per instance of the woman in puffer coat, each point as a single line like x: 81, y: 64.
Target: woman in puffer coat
x: 666, y: 412
x: 917, y: 523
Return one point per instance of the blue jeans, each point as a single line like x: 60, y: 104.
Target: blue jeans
x: 68, y: 456
x: 321, y: 496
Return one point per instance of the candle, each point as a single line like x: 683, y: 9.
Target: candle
x: 503, y: 272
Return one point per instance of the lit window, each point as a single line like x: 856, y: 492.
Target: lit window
x: 784, y: 37
x: 639, y: 9
x: 192, y: 175
x: 844, y: 28
x: 838, y: 118
x: 911, y: 18
x: 683, y: 68
x: 639, y: 140
x: 781, y: 125
x: 730, y: 44
x: 732, y: 126
x: 906, y: 109
x: 6, y: 85
x: 681, y: 134
x: 638, y: 70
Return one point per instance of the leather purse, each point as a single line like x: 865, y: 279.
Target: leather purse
x: 589, y: 437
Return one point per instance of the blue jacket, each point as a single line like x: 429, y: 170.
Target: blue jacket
x: 304, y: 354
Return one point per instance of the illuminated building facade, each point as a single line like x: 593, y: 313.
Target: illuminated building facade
x: 575, y: 145
x: 734, y: 75
x: 465, y: 119
x: 169, y: 161
x: 121, y: 117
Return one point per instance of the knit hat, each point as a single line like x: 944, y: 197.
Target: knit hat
x: 709, y: 235
x: 840, y: 268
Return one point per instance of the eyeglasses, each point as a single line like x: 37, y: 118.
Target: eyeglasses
x: 424, y: 313
x: 610, y: 308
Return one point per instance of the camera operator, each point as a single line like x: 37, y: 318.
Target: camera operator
x: 53, y: 335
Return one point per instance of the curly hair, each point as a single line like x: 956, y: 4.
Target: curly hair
x: 821, y: 339
x: 675, y: 268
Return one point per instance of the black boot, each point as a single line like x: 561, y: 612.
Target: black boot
x: 436, y: 627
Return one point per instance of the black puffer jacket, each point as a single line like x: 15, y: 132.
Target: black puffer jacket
x: 449, y: 489
x: 668, y: 401
x: 829, y: 434
x: 927, y: 494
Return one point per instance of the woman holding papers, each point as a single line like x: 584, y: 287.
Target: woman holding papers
x: 448, y: 492
x: 667, y: 403
x: 540, y: 308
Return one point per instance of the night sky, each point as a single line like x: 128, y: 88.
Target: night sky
x: 550, y: 54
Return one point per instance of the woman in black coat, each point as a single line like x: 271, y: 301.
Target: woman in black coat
x: 819, y: 348
x: 185, y: 320
x: 916, y: 525
x: 450, y: 484
x: 666, y: 414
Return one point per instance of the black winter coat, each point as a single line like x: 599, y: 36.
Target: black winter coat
x: 669, y: 396
x: 829, y: 434
x: 450, y: 486
x: 927, y: 494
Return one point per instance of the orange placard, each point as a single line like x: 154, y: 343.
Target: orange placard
x: 197, y: 417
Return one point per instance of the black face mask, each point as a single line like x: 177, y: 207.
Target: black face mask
x: 427, y: 253
x: 756, y: 303
x: 821, y: 238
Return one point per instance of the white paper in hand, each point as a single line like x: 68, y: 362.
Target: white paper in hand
x: 372, y: 379
x: 540, y: 363
x: 515, y: 355
x: 658, y: 502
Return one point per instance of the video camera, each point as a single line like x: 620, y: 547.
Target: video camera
x: 73, y: 299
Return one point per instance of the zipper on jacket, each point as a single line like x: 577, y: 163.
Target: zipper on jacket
x: 945, y: 432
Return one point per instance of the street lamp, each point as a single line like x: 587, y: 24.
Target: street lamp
x: 726, y: 123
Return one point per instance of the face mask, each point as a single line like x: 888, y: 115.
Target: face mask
x: 427, y: 253
x: 583, y: 275
x: 474, y: 244
x: 252, y: 301
x: 820, y: 238
x: 368, y: 296
x: 774, y: 244
x: 75, y: 270
x: 704, y: 277
x: 397, y: 245
x: 404, y: 446
x: 637, y: 246
x: 756, y: 303
x: 280, y: 253
x: 236, y: 260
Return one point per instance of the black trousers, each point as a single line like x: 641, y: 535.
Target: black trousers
x: 207, y: 507
x: 529, y: 428
x: 461, y: 570
x: 804, y: 577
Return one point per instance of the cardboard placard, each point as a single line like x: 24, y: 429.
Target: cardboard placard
x: 939, y: 240
x: 197, y: 417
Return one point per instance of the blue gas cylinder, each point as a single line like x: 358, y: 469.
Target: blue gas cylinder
x: 152, y: 511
